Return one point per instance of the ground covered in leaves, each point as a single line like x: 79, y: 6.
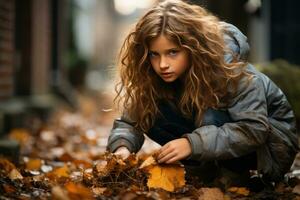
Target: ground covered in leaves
x: 66, y: 159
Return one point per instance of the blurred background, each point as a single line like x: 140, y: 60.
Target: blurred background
x: 63, y: 52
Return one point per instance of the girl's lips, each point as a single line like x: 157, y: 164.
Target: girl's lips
x: 167, y: 74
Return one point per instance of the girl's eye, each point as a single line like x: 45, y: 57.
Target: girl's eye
x: 173, y: 52
x: 152, y: 54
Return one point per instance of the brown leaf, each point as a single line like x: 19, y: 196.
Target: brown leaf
x: 168, y: 177
x: 296, y: 189
x: 239, y: 190
x: 6, y: 165
x: 78, y: 191
x: 65, y: 157
x: 9, y: 188
x: 211, y: 194
x: 131, y: 160
x: 82, y: 163
x: 105, y: 167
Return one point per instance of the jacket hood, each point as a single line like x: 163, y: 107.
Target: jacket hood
x: 235, y: 41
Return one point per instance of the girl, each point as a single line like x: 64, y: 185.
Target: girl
x: 186, y: 84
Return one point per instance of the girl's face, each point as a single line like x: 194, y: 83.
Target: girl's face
x: 168, y: 60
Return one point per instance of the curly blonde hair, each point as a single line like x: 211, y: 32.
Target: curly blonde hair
x: 190, y: 27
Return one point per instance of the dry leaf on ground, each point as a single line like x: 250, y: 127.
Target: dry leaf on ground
x: 78, y: 191
x: 239, y: 190
x: 6, y: 165
x: 15, y: 174
x: 149, y: 161
x: 59, y: 172
x: 58, y: 193
x: 21, y: 135
x: 33, y: 164
x: 211, y: 194
x: 168, y: 177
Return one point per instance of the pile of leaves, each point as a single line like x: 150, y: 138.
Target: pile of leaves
x: 65, y: 159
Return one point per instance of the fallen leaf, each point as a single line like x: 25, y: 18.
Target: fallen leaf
x: 149, y: 161
x: 33, y: 164
x: 9, y: 188
x: 131, y: 160
x: 78, y: 191
x: 105, y: 167
x: 99, y: 190
x: 88, y: 175
x: 239, y: 190
x: 211, y: 194
x: 59, y: 193
x: 21, y: 135
x: 102, y: 168
x: 6, y: 165
x: 83, y: 163
x: 15, y: 174
x: 59, y: 172
x: 65, y: 157
x: 168, y: 177
x: 296, y: 189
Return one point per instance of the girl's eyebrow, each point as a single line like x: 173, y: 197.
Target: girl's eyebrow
x: 166, y: 50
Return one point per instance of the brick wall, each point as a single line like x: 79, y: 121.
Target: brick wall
x: 7, y: 13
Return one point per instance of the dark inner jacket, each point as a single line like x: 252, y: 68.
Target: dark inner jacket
x: 261, y: 121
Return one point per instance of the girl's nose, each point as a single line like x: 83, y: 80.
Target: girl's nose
x: 163, y: 64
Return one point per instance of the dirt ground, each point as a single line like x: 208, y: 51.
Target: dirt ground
x: 65, y: 158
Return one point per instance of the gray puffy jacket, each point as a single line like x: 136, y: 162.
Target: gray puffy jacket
x: 262, y: 121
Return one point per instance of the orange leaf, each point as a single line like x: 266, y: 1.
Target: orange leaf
x: 21, y: 135
x: 239, y: 190
x: 168, y: 177
x: 78, y: 191
x: 33, y: 164
x: 59, y: 172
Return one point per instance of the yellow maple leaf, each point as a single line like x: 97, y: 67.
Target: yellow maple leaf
x: 168, y: 177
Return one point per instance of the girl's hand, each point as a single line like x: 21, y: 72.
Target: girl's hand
x: 123, y: 152
x: 174, y: 150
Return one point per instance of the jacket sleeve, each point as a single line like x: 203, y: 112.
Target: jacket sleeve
x: 248, y: 130
x: 123, y: 133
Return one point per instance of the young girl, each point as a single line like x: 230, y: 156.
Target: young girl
x: 186, y: 84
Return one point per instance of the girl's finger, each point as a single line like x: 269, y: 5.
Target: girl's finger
x: 163, y: 148
x: 163, y: 153
x: 166, y: 157
x: 172, y: 160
